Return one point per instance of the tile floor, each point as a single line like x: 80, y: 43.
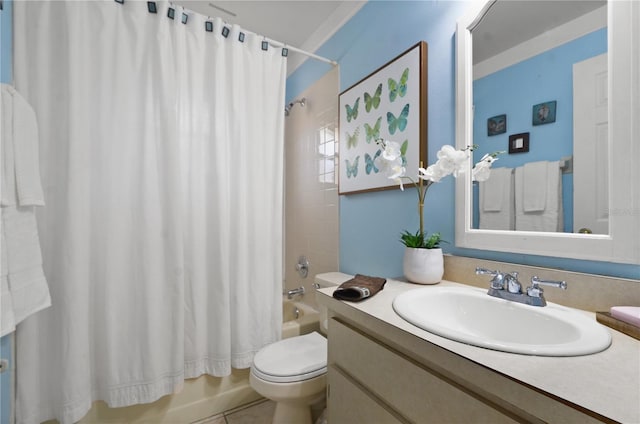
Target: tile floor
x: 259, y: 412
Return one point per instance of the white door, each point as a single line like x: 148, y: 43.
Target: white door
x: 591, y: 146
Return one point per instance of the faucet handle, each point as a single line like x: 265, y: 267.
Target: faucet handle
x: 303, y: 266
x: 497, y: 282
x: 534, y: 290
x: 480, y: 271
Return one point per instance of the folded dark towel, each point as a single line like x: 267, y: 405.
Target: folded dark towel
x: 359, y: 287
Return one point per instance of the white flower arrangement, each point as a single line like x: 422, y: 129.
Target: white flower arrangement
x: 450, y: 161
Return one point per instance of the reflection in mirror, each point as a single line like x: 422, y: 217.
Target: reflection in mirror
x: 540, y: 95
x: 619, y: 241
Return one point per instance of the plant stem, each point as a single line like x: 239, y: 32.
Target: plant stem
x: 421, y: 193
x: 421, y: 188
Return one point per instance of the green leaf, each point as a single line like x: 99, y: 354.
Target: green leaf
x: 418, y: 240
x: 433, y: 242
x: 412, y: 240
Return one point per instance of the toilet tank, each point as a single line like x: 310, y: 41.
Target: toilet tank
x: 328, y: 279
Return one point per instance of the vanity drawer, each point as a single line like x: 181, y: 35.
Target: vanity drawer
x: 416, y: 392
x: 344, y: 394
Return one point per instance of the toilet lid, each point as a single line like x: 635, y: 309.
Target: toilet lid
x: 293, y: 359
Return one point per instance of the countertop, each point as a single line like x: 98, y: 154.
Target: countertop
x: 607, y: 383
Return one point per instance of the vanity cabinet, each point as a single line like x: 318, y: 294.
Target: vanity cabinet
x: 366, y: 377
x: 373, y: 380
x: 353, y: 403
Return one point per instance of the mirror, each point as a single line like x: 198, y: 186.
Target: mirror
x: 518, y: 64
x: 502, y: 86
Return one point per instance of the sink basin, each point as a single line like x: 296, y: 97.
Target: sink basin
x: 469, y: 315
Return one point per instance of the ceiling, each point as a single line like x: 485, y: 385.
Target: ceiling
x: 509, y: 23
x: 305, y: 24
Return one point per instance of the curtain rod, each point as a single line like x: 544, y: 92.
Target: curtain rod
x: 275, y: 43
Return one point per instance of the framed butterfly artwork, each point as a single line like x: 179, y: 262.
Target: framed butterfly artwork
x: 389, y: 104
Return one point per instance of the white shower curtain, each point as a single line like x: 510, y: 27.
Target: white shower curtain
x: 161, y: 156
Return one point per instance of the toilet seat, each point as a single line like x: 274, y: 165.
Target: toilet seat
x: 294, y: 359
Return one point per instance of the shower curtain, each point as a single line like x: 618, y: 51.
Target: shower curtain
x: 161, y: 154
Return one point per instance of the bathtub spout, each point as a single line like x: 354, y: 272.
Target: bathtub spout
x: 291, y: 293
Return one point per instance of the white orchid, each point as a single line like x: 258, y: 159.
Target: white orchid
x: 391, y: 151
x: 450, y: 162
x: 396, y: 174
x: 390, y: 161
x: 482, y: 170
x: 433, y: 173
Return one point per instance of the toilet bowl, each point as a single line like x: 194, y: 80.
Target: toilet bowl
x: 292, y: 372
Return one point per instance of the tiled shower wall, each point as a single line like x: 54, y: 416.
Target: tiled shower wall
x: 311, y: 188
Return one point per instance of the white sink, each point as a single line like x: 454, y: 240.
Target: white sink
x: 469, y: 315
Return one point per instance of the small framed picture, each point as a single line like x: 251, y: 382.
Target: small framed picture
x: 544, y: 113
x: 497, y: 125
x: 519, y: 143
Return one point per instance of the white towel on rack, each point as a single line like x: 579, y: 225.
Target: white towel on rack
x: 20, y: 158
x: 7, y: 318
x: 492, y: 190
x: 23, y: 280
x: 534, y: 190
x: 497, y: 205
x: 549, y: 219
x: 23, y: 286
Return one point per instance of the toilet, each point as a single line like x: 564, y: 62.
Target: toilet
x: 293, y: 372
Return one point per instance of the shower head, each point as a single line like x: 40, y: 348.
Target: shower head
x: 287, y: 108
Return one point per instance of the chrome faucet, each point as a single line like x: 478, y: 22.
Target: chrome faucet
x: 293, y: 292
x: 507, y: 286
x: 535, y: 291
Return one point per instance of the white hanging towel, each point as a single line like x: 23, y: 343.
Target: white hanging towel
x: 23, y: 286
x: 497, y: 204
x: 549, y: 218
x: 7, y: 318
x: 20, y: 164
x: 534, y: 188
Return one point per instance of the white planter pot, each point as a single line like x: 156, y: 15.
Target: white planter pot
x: 423, y: 266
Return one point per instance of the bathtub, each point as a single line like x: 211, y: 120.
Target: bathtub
x: 206, y: 395
x: 298, y: 318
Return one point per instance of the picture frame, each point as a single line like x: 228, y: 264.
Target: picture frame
x: 544, y: 113
x: 519, y: 143
x: 389, y: 104
x: 497, y: 125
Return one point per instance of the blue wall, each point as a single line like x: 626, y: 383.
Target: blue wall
x: 370, y: 223
x: 5, y: 77
x: 514, y: 90
x: 5, y: 42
